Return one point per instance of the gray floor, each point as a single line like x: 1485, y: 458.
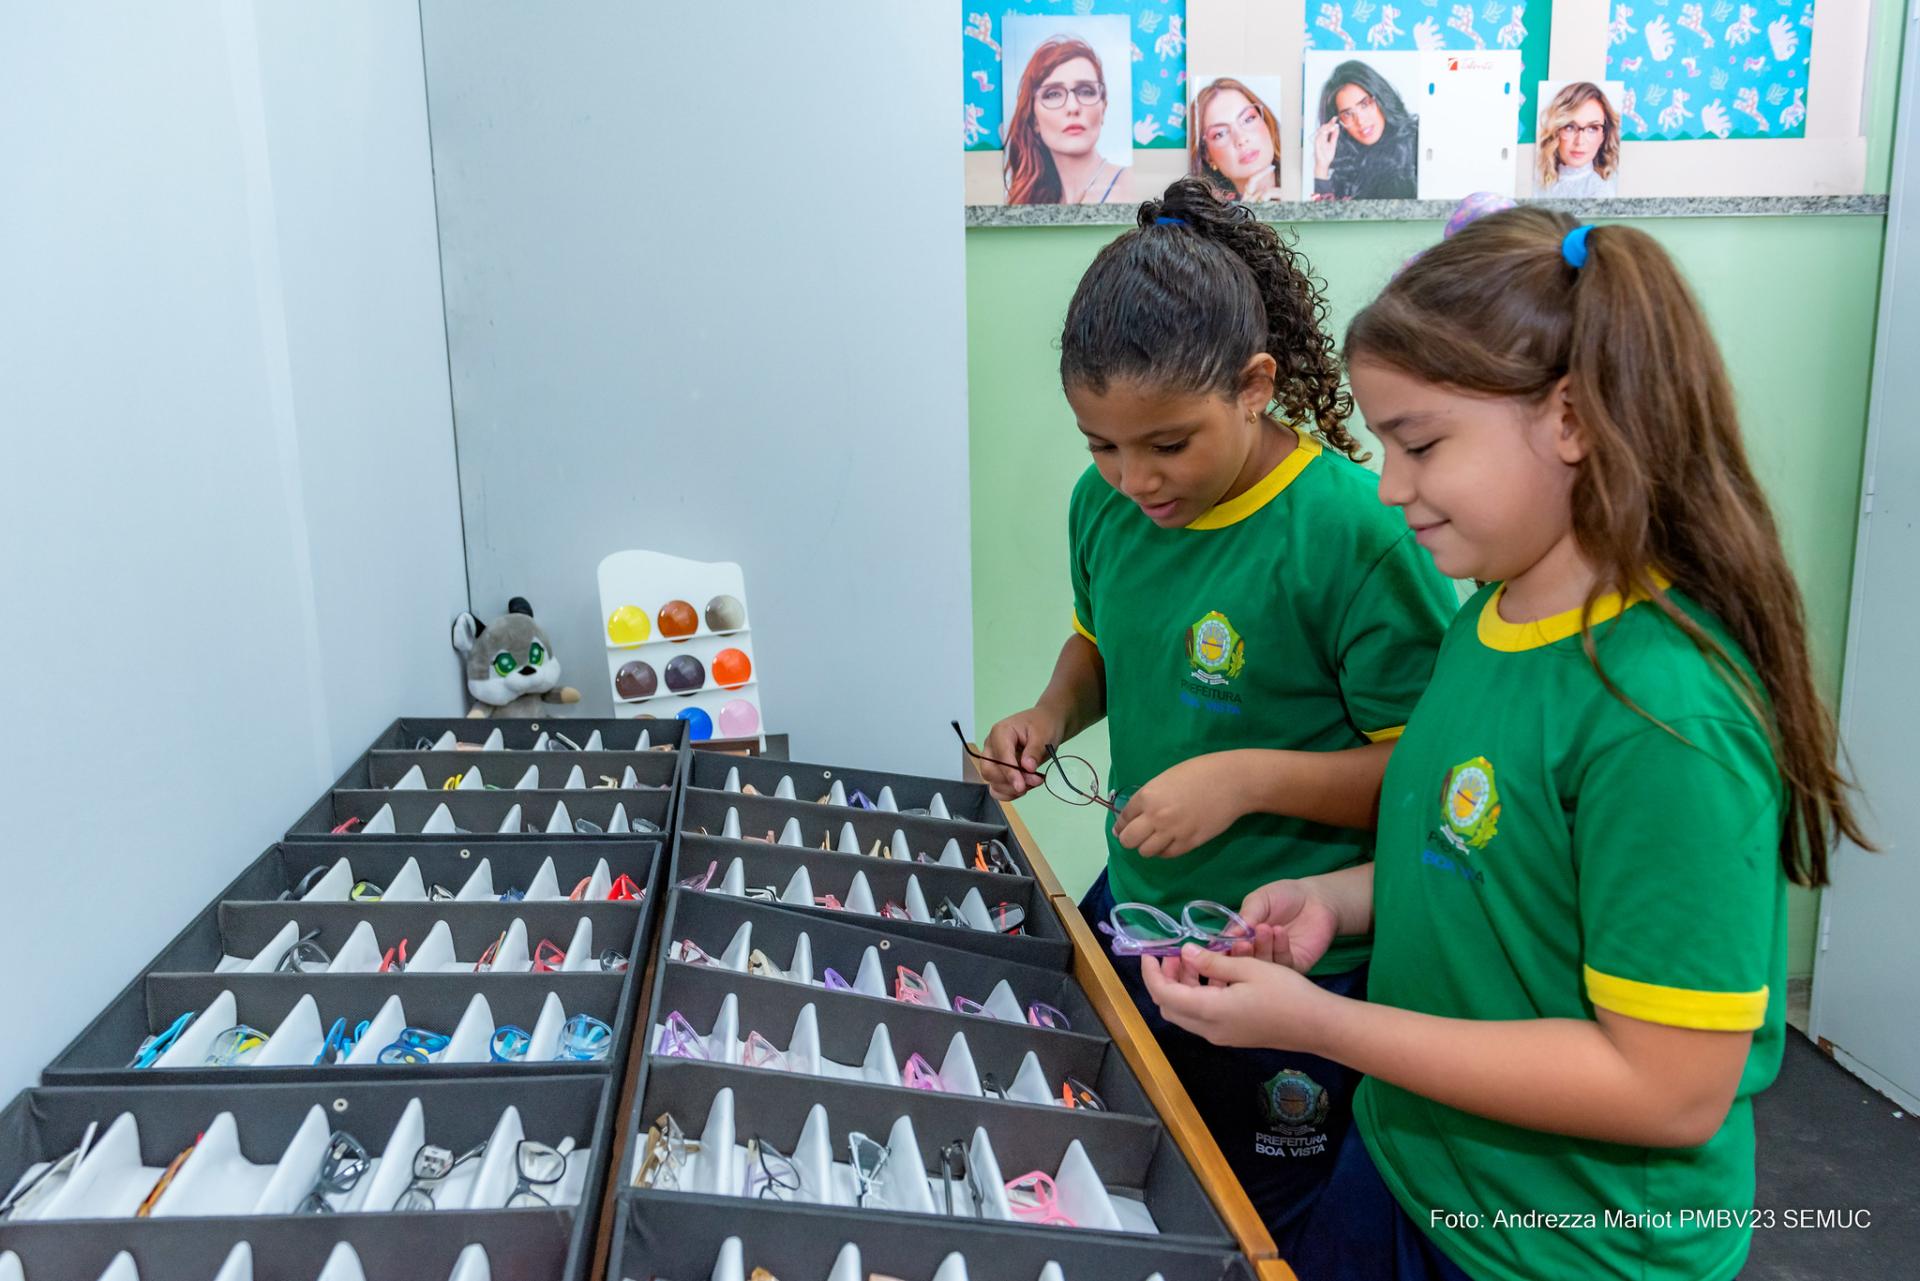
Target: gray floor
x: 1828, y: 1142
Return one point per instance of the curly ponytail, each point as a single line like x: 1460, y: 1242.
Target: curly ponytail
x: 1186, y: 299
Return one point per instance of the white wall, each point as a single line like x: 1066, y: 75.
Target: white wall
x: 229, y: 538
x: 705, y: 294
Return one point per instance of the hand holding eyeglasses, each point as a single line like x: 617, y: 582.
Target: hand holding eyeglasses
x: 1016, y: 749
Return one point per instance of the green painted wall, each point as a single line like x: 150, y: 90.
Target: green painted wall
x: 1793, y: 301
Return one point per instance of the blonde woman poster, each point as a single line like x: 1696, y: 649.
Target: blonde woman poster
x: 1233, y: 135
x: 1579, y: 153
x: 1068, y: 104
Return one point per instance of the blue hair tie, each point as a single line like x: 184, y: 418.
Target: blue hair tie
x: 1574, y: 247
x: 1170, y: 222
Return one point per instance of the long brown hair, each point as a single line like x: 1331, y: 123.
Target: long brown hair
x: 1197, y: 163
x: 1028, y: 165
x: 1665, y: 486
x: 1560, y: 112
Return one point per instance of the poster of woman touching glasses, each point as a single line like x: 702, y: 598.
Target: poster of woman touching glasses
x: 1361, y: 133
x: 1579, y: 143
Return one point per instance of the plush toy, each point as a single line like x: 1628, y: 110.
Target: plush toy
x: 511, y: 668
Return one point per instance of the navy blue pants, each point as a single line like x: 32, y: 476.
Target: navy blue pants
x: 1278, y: 1116
x: 1356, y: 1231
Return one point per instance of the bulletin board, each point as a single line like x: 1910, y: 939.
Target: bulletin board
x: 1719, y: 98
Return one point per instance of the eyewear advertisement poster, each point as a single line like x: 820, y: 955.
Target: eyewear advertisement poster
x: 1234, y: 134
x: 1153, y: 110
x: 1720, y: 69
x: 1065, y: 128
x: 1360, y: 130
x: 1577, y: 151
x: 1426, y: 26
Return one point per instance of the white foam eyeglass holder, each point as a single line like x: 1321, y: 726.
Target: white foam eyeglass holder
x: 496, y: 742
x: 726, y: 1043
x: 858, y: 896
x: 898, y: 847
x: 870, y: 979
x: 884, y: 803
x: 300, y: 1037
x: 408, y: 886
x: 362, y: 954
x: 111, y: 1180
x: 341, y: 1265
x: 472, y: 780
x: 440, y: 823
x: 719, y: 1165
x: 731, y: 1265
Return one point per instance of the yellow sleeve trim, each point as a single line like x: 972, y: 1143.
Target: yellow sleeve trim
x: 1081, y: 627
x: 1677, y: 1006
x: 1386, y: 735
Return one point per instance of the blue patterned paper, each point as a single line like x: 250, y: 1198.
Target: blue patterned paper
x: 1718, y: 69
x: 1159, y: 65
x: 1410, y: 25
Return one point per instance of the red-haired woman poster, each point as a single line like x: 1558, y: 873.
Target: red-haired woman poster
x: 1067, y: 133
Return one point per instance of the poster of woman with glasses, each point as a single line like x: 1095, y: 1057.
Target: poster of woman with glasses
x: 1233, y: 135
x: 1069, y: 122
x: 1361, y: 142
x: 1579, y: 140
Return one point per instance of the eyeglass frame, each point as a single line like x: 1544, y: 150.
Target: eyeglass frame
x: 1078, y: 90
x: 1350, y: 117
x: 342, y: 1151
x: 1112, y: 803
x: 525, y: 1185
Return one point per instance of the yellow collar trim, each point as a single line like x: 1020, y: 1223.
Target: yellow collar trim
x: 1266, y: 489
x: 1511, y: 638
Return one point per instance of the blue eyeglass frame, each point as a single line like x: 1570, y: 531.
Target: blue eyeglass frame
x: 160, y: 1042
x: 585, y: 1039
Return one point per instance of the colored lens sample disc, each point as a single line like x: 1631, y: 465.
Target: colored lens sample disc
x: 726, y: 614
x: 636, y: 680
x: 678, y: 620
x: 699, y: 724
x: 732, y: 668
x: 685, y: 674
x: 628, y: 626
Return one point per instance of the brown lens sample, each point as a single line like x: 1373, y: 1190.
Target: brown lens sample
x: 636, y: 680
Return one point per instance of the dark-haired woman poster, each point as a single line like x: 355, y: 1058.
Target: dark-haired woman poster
x: 1366, y: 144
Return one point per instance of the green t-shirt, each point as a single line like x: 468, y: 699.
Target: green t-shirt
x: 1544, y: 850
x: 1300, y: 614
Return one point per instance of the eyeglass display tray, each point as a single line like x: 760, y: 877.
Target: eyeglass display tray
x: 520, y: 1245
x: 522, y: 735
x: 829, y: 827
x: 1130, y: 1155
x: 888, y: 880
x: 512, y: 865
x: 479, y: 815
x: 721, y: 925
x: 686, y: 1239
x: 438, y: 1002
x: 507, y: 771
x: 965, y: 802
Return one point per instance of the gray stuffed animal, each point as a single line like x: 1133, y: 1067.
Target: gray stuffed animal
x: 511, y: 668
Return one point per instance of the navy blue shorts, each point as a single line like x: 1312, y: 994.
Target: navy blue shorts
x: 1358, y: 1232
x: 1278, y: 1116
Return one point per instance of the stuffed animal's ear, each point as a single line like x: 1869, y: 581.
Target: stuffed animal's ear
x: 518, y: 605
x: 466, y: 630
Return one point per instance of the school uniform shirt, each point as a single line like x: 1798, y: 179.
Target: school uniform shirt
x: 1299, y: 615
x: 1546, y: 852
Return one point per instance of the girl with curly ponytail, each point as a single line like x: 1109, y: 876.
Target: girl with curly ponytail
x: 1249, y: 620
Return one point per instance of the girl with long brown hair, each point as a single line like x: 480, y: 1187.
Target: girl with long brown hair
x: 1053, y: 139
x: 1578, y: 894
